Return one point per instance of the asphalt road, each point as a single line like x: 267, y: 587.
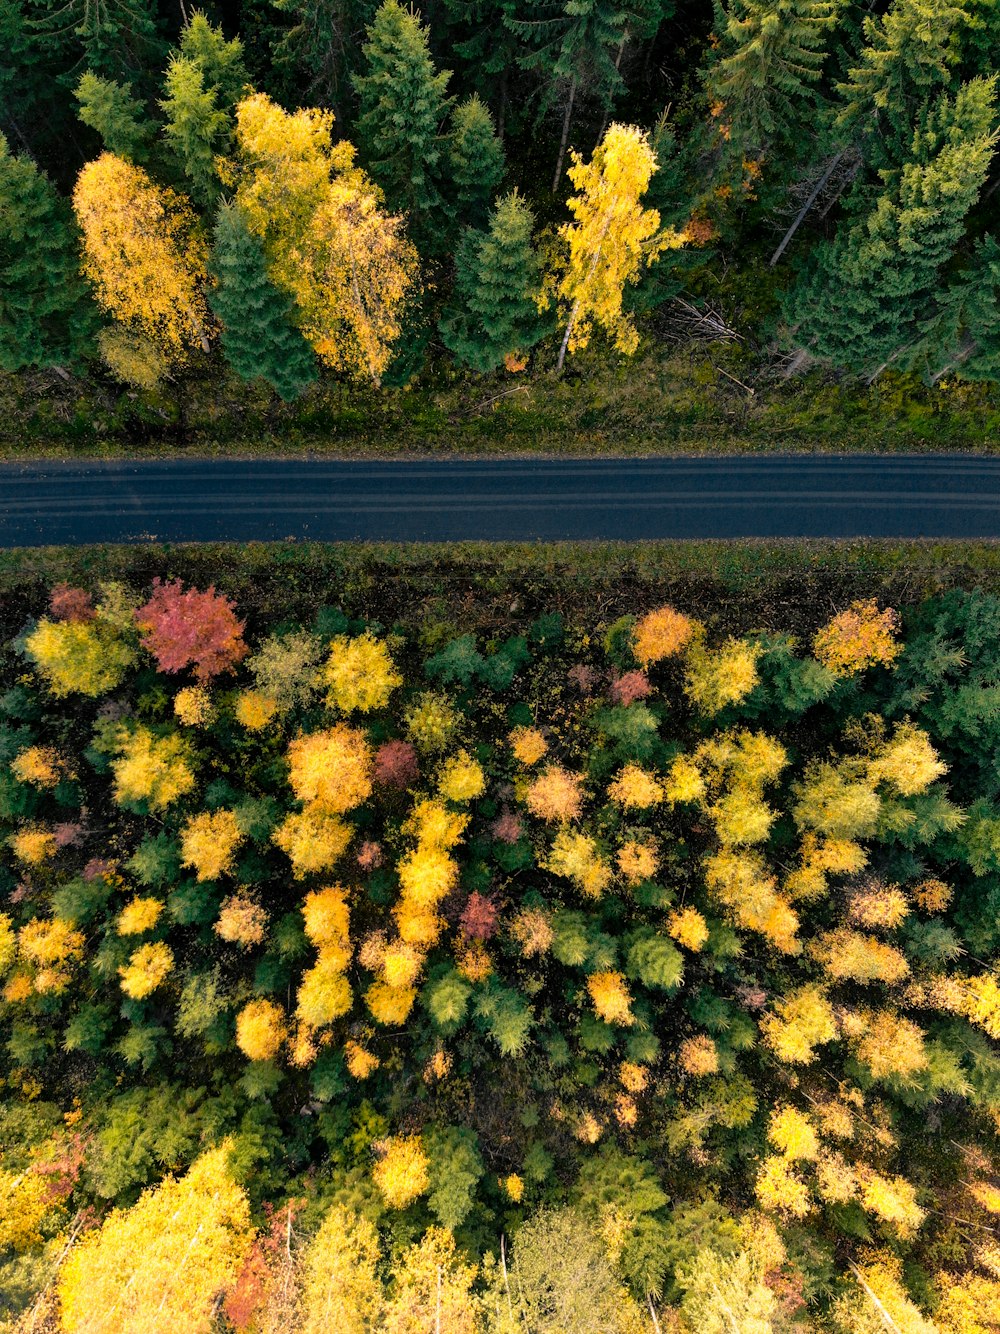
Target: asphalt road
x: 204, y: 500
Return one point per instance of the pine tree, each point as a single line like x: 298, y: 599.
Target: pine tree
x: 403, y: 110
x: 259, y: 336
x: 962, y: 337
x: 873, y: 286
x: 497, y: 279
x: 46, y: 315
x: 476, y: 160
x: 762, y: 84
x: 118, y: 117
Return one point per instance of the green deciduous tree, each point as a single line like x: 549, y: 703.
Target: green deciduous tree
x: 259, y: 336
x: 498, y: 276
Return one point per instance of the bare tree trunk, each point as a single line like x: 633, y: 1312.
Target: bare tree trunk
x: 565, y: 135
x: 800, y: 218
x: 652, y: 1312
x: 576, y: 304
x: 884, y: 1315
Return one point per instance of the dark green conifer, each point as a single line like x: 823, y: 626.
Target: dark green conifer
x: 46, y: 315
x: 259, y: 337
x: 498, y: 273
x: 476, y: 159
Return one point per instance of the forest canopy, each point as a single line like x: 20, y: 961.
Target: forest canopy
x: 279, y: 192
x: 595, y: 979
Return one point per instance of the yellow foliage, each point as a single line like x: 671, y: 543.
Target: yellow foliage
x: 635, y: 789
x: 908, y: 761
x: 878, y: 906
x: 208, y: 843
x: 462, y: 778
x: 79, y: 657
x: 836, y: 802
x: 52, y: 945
x: 698, y: 1056
x: 432, y: 824
x: 8, y: 942
x: 611, y: 998
x: 610, y: 241
x: 324, y: 993
x: 312, y: 840
x: 892, y: 1199
x: 726, y: 675
x: 660, y: 634
x: 145, y: 254
x: 836, y: 1180
x: 969, y: 1304
x: 576, y: 856
x: 326, y: 918
x: 431, y: 721
x: 844, y: 953
x: 193, y: 706
x: 891, y: 1045
x: 528, y: 745
x: 433, y: 1290
x: 426, y: 875
x: 513, y: 1187
x: 161, y: 1265
x: 417, y: 926
x: 779, y: 1188
x: 261, y: 1030
x: 151, y: 768
x: 981, y: 1002
x: 633, y: 1077
x: 799, y: 1022
x: 331, y: 771
x: 254, y: 710
x: 390, y: 1006
x: 401, y: 964
x: 532, y: 929
x: 148, y: 968
x: 741, y: 882
x: 555, y: 794
x: 38, y: 765
x: 241, y: 921
x: 139, y: 915
x: 637, y: 861
x: 25, y: 1199
x: 360, y: 674
x: 341, y: 1290
x: 360, y: 1062
x: 688, y: 928
x: 792, y: 1133
x: 858, y: 638
x: 932, y: 895
x: 402, y: 1171
x: 683, y: 782
x: 880, y: 1290
x: 741, y: 818
x: 33, y: 846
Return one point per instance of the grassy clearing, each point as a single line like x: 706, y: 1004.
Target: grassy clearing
x: 694, y: 399
x: 442, y: 589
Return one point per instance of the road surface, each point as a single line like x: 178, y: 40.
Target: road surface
x: 526, y: 499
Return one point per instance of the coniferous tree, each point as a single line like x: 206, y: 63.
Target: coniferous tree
x: 962, y: 337
x: 869, y: 289
x: 909, y: 56
x: 118, y: 117
x: 317, y: 57
x: 400, y: 128
x: 259, y: 337
x: 46, y: 316
x: 763, y: 82
x: 476, y: 159
x: 196, y: 128
x: 497, y: 278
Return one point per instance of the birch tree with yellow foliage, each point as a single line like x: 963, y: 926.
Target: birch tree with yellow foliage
x: 328, y: 240
x: 612, y: 239
x: 144, y: 252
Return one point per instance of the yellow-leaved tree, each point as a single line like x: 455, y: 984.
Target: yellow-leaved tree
x: 341, y: 1289
x: 328, y: 241
x: 611, y: 241
x: 146, y: 256
x: 162, y: 1264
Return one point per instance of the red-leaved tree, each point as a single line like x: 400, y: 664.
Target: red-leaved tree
x: 186, y: 627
